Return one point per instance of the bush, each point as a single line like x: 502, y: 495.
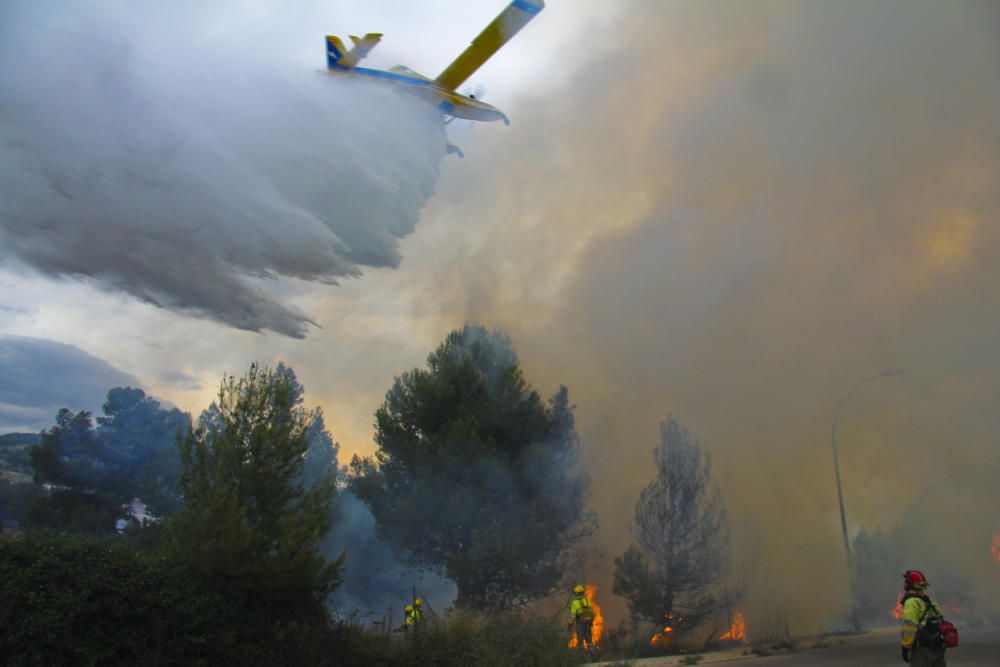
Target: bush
x: 75, y: 601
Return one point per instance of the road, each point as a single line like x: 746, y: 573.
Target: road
x: 979, y: 648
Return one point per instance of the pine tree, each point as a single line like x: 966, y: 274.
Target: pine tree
x: 475, y: 476
x: 249, y: 520
x: 671, y: 574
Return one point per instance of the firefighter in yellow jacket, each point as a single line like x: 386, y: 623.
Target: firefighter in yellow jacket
x: 413, y: 615
x: 923, y: 645
x: 582, y: 619
x: 409, y: 621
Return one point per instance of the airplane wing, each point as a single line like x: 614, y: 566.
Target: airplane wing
x: 502, y: 28
x: 337, y: 55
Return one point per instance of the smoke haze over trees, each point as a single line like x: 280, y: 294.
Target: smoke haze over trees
x: 800, y: 195
x: 475, y: 476
x: 375, y: 579
x: 797, y: 195
x: 672, y: 574
x: 97, y: 473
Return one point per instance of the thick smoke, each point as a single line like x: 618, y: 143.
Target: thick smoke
x: 733, y: 214
x: 181, y: 153
x: 375, y: 581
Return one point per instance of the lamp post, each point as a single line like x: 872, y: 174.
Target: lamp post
x: 889, y: 372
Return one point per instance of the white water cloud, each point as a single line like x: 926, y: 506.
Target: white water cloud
x: 188, y: 159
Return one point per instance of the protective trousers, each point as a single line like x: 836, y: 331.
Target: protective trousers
x: 927, y: 657
x: 585, y: 632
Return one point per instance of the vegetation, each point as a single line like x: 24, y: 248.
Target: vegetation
x: 95, y: 473
x: 83, y: 601
x: 229, y: 570
x: 671, y: 574
x: 475, y: 476
x: 14, y: 450
x: 463, y: 638
x: 249, y: 520
x: 77, y: 601
x: 15, y: 499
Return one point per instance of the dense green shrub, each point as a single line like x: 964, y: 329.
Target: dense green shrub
x: 75, y: 601
x: 78, y: 601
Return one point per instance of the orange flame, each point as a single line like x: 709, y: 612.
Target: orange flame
x: 661, y: 639
x: 598, y: 626
x: 897, y: 612
x: 738, y: 632
x: 995, y: 547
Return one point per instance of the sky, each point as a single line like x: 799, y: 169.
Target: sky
x: 730, y: 213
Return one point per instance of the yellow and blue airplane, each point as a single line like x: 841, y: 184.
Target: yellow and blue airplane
x: 441, y: 91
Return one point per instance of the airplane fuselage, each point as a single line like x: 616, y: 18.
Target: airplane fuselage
x: 450, y: 102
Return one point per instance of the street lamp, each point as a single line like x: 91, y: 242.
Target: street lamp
x: 889, y: 372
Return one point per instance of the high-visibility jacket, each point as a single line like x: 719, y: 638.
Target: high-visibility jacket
x: 914, y: 617
x: 580, y: 609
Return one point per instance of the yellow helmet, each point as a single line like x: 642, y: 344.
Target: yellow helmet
x: 578, y: 590
x: 418, y: 603
x: 408, y: 609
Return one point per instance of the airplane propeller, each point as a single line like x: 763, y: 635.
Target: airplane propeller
x: 478, y: 92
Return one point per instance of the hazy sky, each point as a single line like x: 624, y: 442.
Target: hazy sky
x: 728, y: 212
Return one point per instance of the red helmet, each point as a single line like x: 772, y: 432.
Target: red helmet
x: 914, y: 579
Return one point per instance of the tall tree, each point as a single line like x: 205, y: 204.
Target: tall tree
x: 249, y: 521
x: 475, y: 476
x: 139, y: 441
x: 671, y: 573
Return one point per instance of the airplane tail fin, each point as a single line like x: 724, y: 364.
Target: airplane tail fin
x: 339, y: 57
x: 335, y: 51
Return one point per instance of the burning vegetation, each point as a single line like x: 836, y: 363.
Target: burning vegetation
x: 995, y: 547
x: 662, y: 638
x: 738, y: 630
x: 598, y: 627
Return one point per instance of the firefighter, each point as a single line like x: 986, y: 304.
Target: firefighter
x: 582, y: 620
x: 409, y: 621
x: 923, y: 645
x: 418, y: 614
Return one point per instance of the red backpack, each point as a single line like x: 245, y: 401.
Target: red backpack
x: 949, y: 634
x: 935, y: 632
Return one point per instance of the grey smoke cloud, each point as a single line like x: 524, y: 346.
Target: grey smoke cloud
x: 757, y: 206
x: 186, y: 155
x: 38, y: 377
x: 374, y: 579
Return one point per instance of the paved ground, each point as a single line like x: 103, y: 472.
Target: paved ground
x: 979, y: 648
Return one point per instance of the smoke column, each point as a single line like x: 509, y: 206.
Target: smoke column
x: 733, y: 213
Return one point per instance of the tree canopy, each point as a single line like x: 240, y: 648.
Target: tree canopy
x: 475, y: 475
x: 249, y: 519
x: 95, y: 473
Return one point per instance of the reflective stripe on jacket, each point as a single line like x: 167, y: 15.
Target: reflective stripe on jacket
x: 914, y: 619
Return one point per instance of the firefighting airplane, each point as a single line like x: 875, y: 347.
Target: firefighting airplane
x: 441, y: 91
